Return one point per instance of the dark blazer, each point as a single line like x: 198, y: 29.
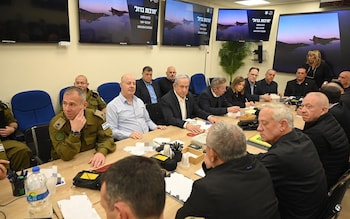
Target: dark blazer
x: 235, y: 99
x: 165, y: 85
x: 300, y: 90
x: 320, y: 74
x: 262, y: 87
x: 297, y: 175
x: 251, y: 96
x: 345, y: 98
x: 172, y: 112
x: 342, y: 114
x: 213, y: 105
x: 142, y: 92
x: 332, y: 145
x: 240, y: 188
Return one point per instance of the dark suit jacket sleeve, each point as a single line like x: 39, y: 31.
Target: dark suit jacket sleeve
x: 193, y: 109
x: 142, y: 91
x: 171, y: 110
x: 288, y: 91
x: 206, y: 102
x: 198, y: 204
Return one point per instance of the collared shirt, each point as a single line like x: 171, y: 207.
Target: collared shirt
x: 251, y: 85
x: 124, y: 118
x: 214, y: 93
x: 151, y: 91
x: 182, y: 103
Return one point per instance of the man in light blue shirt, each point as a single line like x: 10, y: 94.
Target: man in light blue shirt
x: 126, y: 114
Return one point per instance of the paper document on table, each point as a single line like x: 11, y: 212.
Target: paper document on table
x: 178, y: 186
x: 78, y: 206
x: 139, y: 149
x: 200, y: 172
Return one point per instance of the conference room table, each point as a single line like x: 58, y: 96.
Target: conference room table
x: 16, y: 207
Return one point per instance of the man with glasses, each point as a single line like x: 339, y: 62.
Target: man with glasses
x: 213, y: 101
x: 94, y: 100
x: 327, y: 135
x: 251, y: 86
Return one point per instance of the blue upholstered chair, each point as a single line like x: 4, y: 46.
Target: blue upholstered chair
x: 108, y: 91
x: 32, y: 108
x: 198, y: 83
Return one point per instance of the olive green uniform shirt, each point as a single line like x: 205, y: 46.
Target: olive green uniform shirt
x: 95, y: 134
x: 16, y: 152
x: 94, y: 100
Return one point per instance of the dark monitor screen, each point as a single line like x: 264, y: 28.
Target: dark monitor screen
x: 186, y: 24
x: 34, y: 21
x: 327, y: 32
x: 118, y: 21
x: 244, y: 25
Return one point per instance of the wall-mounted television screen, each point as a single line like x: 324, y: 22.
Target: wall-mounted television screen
x: 118, y: 21
x: 244, y: 25
x: 34, y: 21
x: 327, y: 32
x: 186, y: 24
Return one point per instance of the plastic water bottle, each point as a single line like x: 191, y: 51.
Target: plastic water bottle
x: 38, y: 195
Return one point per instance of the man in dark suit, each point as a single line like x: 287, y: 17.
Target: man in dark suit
x: 147, y: 89
x: 250, y: 88
x: 296, y: 171
x: 237, y: 185
x: 178, y: 105
x: 166, y: 83
x: 267, y: 85
x: 301, y: 85
x: 336, y: 107
x: 327, y: 135
x: 213, y: 100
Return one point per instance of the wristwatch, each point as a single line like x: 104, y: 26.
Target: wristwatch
x: 75, y: 133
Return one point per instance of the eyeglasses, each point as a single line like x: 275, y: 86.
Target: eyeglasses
x: 307, y: 106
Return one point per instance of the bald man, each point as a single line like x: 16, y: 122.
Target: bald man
x: 166, y: 83
x: 327, y: 135
x: 344, y: 79
x: 94, y: 100
x: 127, y: 115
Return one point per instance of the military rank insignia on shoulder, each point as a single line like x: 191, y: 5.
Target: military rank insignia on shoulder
x: 94, y: 94
x: 100, y: 114
x: 59, y: 123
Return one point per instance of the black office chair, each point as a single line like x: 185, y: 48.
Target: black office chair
x: 155, y: 113
x: 335, y: 196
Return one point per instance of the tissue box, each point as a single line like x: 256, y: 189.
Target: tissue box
x: 195, y: 156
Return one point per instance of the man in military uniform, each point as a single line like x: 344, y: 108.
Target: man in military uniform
x: 78, y: 129
x: 16, y: 152
x: 93, y: 99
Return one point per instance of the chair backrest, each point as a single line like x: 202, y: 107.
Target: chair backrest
x: 108, y: 91
x: 198, y: 83
x: 158, y: 79
x: 32, y: 108
x: 335, y: 196
x: 62, y: 92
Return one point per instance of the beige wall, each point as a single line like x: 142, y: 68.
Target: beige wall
x: 51, y: 67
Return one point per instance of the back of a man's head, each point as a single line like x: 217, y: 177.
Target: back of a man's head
x: 333, y: 93
x: 139, y: 182
x: 228, y: 140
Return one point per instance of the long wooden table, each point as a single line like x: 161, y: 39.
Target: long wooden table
x: 68, y: 169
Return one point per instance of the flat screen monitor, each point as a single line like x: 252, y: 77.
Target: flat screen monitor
x: 327, y: 32
x: 129, y: 22
x: 34, y: 21
x: 186, y: 24
x: 244, y: 25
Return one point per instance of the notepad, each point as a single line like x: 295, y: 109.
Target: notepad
x: 258, y: 142
x: 178, y: 186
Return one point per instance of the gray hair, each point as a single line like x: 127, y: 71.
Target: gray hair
x: 280, y: 111
x: 228, y: 140
x: 178, y: 77
x: 80, y: 92
x: 217, y: 82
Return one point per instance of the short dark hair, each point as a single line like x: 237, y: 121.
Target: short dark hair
x: 138, y: 181
x: 256, y: 68
x: 147, y: 68
x: 333, y: 93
